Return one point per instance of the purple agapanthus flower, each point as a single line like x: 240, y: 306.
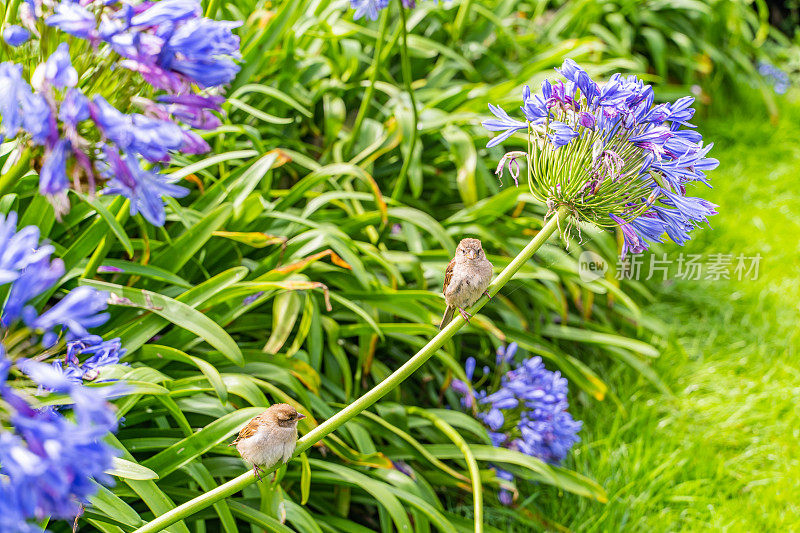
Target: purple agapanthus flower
x: 627, y: 159
x: 50, y: 461
x: 73, y: 18
x: 368, y: 8
x: 185, y: 57
x: 15, y: 35
x: 53, y: 176
x: 38, y: 119
x: 47, y: 461
x: 144, y: 188
x: 12, y: 90
x: 562, y: 134
x: 74, y: 108
x: 371, y: 8
x: 527, y: 413
x: 82, y: 308
x: 56, y: 71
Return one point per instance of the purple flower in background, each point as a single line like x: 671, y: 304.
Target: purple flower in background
x: 639, y: 231
x: 74, y: 108
x: 527, y: 413
x: 50, y: 462
x: 56, y: 71
x: 207, y: 72
x: 47, y: 461
x: 144, y: 188
x: 12, y: 89
x: 79, y: 310
x: 15, y: 35
x: 37, y: 118
x: 774, y: 76
x: 167, y: 11
x: 101, y: 353
x: 73, y: 18
x: 53, y: 176
x: 629, y: 160
x: 505, y: 354
x: 193, y: 110
x: 368, y: 8
x: 18, y: 249
x: 173, y: 48
x: 202, y: 38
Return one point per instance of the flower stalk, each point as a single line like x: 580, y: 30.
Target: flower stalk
x: 400, y: 184
x: 376, y: 66
x: 373, y: 395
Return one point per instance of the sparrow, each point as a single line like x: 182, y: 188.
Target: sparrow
x: 466, y: 279
x: 269, y: 437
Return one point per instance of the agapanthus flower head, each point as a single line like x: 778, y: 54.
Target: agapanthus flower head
x: 50, y: 461
x: 371, y: 8
x: 183, y: 61
x: 15, y: 35
x: 776, y: 77
x: 611, y: 155
x: 527, y: 413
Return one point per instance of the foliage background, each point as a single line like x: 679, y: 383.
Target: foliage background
x: 290, y: 200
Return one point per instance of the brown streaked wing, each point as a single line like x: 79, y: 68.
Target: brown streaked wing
x: 250, y: 428
x: 448, y: 274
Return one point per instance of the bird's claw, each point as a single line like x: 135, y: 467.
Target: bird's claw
x: 464, y: 314
x: 486, y: 292
x: 257, y: 473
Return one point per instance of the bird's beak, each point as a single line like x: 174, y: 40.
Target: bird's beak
x: 472, y: 254
x: 300, y: 416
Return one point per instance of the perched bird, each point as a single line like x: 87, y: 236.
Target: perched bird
x: 269, y: 437
x: 466, y: 279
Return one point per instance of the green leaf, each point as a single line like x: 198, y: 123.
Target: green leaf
x: 382, y: 494
x: 109, y: 504
x: 190, y: 242
x: 130, y: 470
x: 110, y: 220
x: 179, y: 314
x: 211, y: 373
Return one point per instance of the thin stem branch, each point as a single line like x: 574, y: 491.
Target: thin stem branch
x: 376, y: 67
x: 469, y: 457
x: 400, y: 184
x: 373, y: 395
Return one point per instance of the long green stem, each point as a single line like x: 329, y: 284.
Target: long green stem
x: 18, y: 170
x: 368, y: 399
x: 461, y: 16
x: 376, y: 67
x: 400, y: 184
x: 469, y: 457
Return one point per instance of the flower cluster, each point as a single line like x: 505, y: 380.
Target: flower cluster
x: 527, y: 412
x: 774, y: 76
x: 78, y: 115
x: 50, y: 460
x: 611, y: 155
x: 370, y: 8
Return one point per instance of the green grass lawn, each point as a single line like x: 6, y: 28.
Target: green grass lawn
x: 722, y: 453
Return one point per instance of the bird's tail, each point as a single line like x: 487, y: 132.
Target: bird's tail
x: 448, y: 316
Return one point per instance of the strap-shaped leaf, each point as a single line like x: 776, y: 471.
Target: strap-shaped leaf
x: 179, y: 314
